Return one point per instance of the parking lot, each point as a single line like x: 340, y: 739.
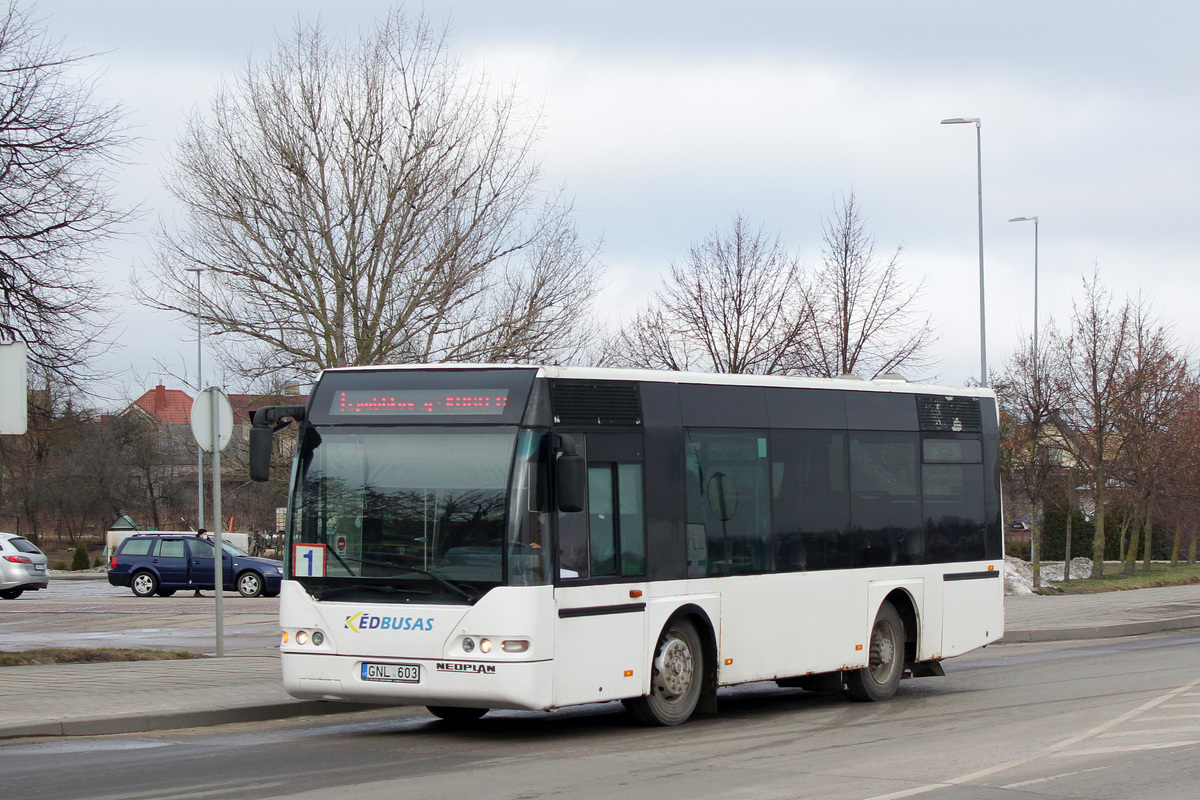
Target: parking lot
x: 88, y: 612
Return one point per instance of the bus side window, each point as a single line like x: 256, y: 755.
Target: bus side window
x: 616, y: 519
x: 602, y: 528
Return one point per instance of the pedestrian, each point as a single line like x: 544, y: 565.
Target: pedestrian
x: 200, y: 534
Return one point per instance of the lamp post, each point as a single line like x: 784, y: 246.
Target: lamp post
x: 199, y: 387
x: 983, y: 379
x: 1035, y: 535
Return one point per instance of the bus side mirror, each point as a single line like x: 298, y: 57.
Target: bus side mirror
x: 260, y: 453
x: 264, y: 422
x: 570, y: 473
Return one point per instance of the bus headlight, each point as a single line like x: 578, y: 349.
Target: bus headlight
x: 468, y: 644
x: 318, y: 638
x: 515, y: 645
x: 301, y: 637
x: 485, y: 645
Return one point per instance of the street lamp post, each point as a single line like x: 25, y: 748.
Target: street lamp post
x: 1035, y: 535
x: 199, y: 388
x: 983, y: 379
x: 1034, y: 220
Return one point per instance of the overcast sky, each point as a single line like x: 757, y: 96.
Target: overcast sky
x: 663, y: 119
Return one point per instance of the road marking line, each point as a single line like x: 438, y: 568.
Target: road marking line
x: 1051, y: 750
x: 1152, y: 731
x: 1096, y: 751
x: 1051, y: 778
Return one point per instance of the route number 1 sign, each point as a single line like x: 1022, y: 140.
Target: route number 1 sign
x: 308, y: 560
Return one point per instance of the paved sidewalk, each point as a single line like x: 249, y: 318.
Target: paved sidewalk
x: 128, y: 697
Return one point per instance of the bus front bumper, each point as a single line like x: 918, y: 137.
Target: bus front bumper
x: 522, y: 685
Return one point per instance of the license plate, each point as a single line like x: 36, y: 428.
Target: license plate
x: 392, y: 673
x: 39, y: 567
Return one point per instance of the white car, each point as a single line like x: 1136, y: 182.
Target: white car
x: 22, y: 566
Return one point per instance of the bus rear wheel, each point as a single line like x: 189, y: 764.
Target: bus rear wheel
x: 676, y: 678
x: 457, y: 715
x: 881, y: 677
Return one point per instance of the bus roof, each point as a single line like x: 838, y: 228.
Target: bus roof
x: 883, y: 384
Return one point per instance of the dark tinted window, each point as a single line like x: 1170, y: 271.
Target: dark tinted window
x: 885, y: 501
x: 811, y: 500
x: 729, y: 502
x: 136, y: 547
x: 24, y: 546
x: 953, y: 499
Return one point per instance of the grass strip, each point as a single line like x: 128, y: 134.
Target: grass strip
x: 81, y: 655
x: 1116, y: 580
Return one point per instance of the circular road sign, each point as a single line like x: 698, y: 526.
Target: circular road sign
x: 209, y: 415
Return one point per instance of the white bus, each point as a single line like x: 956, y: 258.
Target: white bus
x: 514, y: 537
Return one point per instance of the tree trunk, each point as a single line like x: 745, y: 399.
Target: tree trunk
x: 1067, y: 551
x: 1149, y: 540
x: 1098, y: 487
x: 1192, y: 549
x: 1177, y: 545
x: 1035, y: 547
x: 1130, y: 555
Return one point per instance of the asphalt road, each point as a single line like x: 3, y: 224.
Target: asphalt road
x: 1106, y: 719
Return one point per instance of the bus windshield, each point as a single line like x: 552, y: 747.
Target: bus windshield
x: 420, y: 509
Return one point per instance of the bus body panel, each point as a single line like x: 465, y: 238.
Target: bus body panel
x: 600, y: 635
x: 972, y: 610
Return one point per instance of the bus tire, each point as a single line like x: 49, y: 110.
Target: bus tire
x: 880, y: 678
x: 457, y: 715
x: 676, y: 678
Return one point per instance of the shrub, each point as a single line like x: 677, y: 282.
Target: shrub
x: 80, y: 560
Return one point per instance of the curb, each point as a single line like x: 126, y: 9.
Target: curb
x: 1100, y: 631
x: 145, y: 723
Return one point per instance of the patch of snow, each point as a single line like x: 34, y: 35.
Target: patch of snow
x: 1018, y: 574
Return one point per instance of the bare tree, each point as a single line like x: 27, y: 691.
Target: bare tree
x: 371, y: 201
x: 735, y: 305
x: 1031, y: 392
x: 1156, y: 387
x: 58, y: 142
x: 1094, y: 363
x: 864, y: 313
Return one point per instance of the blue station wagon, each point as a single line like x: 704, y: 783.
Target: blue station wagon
x: 164, y: 563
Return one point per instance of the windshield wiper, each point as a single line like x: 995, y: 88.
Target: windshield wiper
x: 440, y: 581
x: 334, y: 591
x: 445, y: 584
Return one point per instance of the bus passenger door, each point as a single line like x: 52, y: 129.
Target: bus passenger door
x: 599, y: 643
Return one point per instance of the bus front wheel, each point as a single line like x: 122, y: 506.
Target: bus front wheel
x: 676, y: 678
x: 880, y: 678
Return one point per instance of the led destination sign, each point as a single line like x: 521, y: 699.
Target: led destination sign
x: 419, y: 402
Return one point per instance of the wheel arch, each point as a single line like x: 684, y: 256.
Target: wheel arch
x: 705, y: 628
x: 906, y: 607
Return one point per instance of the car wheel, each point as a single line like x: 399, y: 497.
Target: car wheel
x: 11, y: 594
x: 249, y: 584
x: 143, y: 583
